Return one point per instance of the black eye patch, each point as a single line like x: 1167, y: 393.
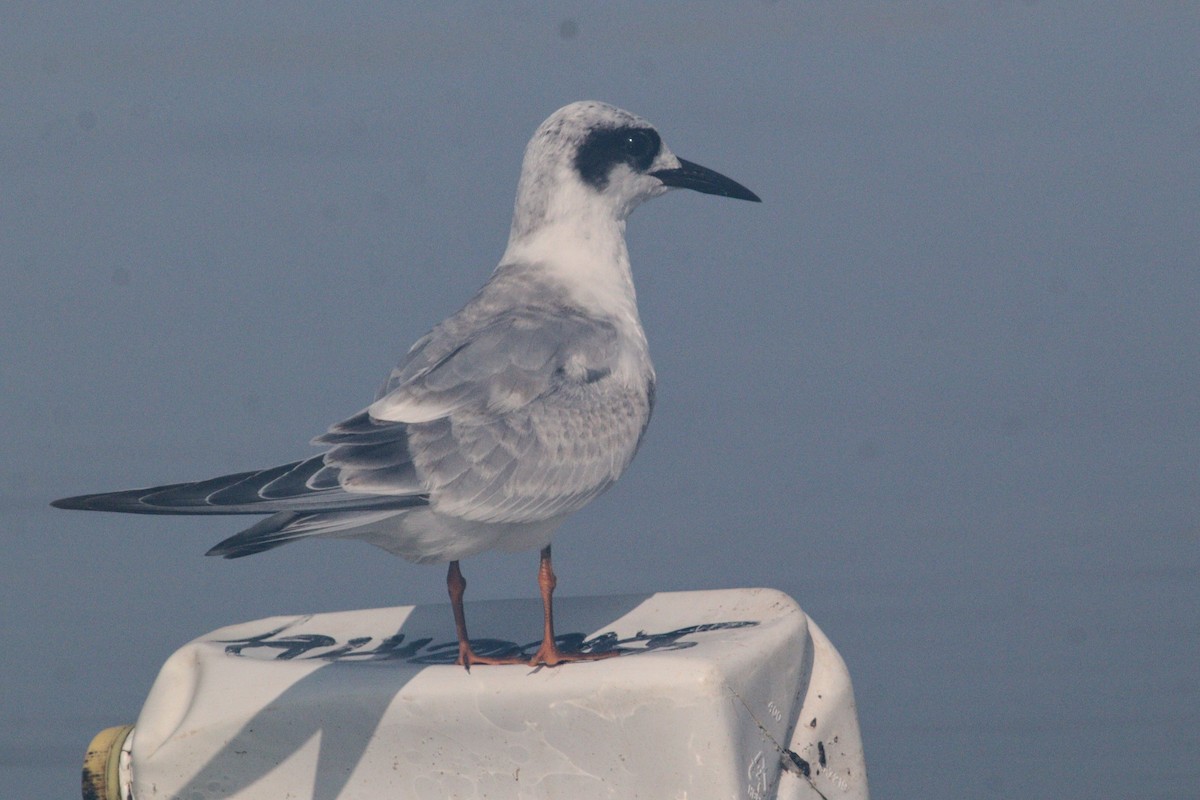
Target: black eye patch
x: 603, y: 149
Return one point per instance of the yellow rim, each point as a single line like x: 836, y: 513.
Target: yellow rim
x: 100, y: 765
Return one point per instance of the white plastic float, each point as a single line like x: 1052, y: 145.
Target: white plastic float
x: 719, y: 694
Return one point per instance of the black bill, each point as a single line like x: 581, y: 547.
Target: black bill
x: 702, y: 179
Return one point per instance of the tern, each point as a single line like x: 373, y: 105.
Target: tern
x: 509, y: 415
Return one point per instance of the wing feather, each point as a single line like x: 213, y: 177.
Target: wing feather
x: 279, y: 489
x: 507, y: 412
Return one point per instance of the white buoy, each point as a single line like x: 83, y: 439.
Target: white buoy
x: 717, y: 694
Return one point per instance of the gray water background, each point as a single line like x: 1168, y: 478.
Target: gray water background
x: 941, y: 386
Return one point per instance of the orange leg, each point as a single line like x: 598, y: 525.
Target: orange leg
x: 456, y: 584
x: 549, y: 654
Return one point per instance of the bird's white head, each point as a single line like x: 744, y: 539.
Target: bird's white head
x: 586, y: 168
x: 590, y: 164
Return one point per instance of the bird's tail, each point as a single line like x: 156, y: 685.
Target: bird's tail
x: 288, y: 526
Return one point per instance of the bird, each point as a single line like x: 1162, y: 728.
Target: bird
x: 509, y: 415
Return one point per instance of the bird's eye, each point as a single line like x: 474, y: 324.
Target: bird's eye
x: 641, y: 146
x: 604, y: 148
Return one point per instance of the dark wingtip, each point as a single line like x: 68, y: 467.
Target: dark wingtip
x: 226, y: 551
x: 79, y: 503
x: 231, y: 548
x: 223, y: 552
x: 128, y: 502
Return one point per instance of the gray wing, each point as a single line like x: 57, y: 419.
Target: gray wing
x: 299, y: 486
x: 497, y: 367
x: 518, y: 417
x: 512, y: 415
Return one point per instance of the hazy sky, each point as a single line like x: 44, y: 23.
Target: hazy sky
x: 942, y: 386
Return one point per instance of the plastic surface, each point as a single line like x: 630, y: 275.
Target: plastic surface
x: 720, y: 694
x: 106, y: 764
